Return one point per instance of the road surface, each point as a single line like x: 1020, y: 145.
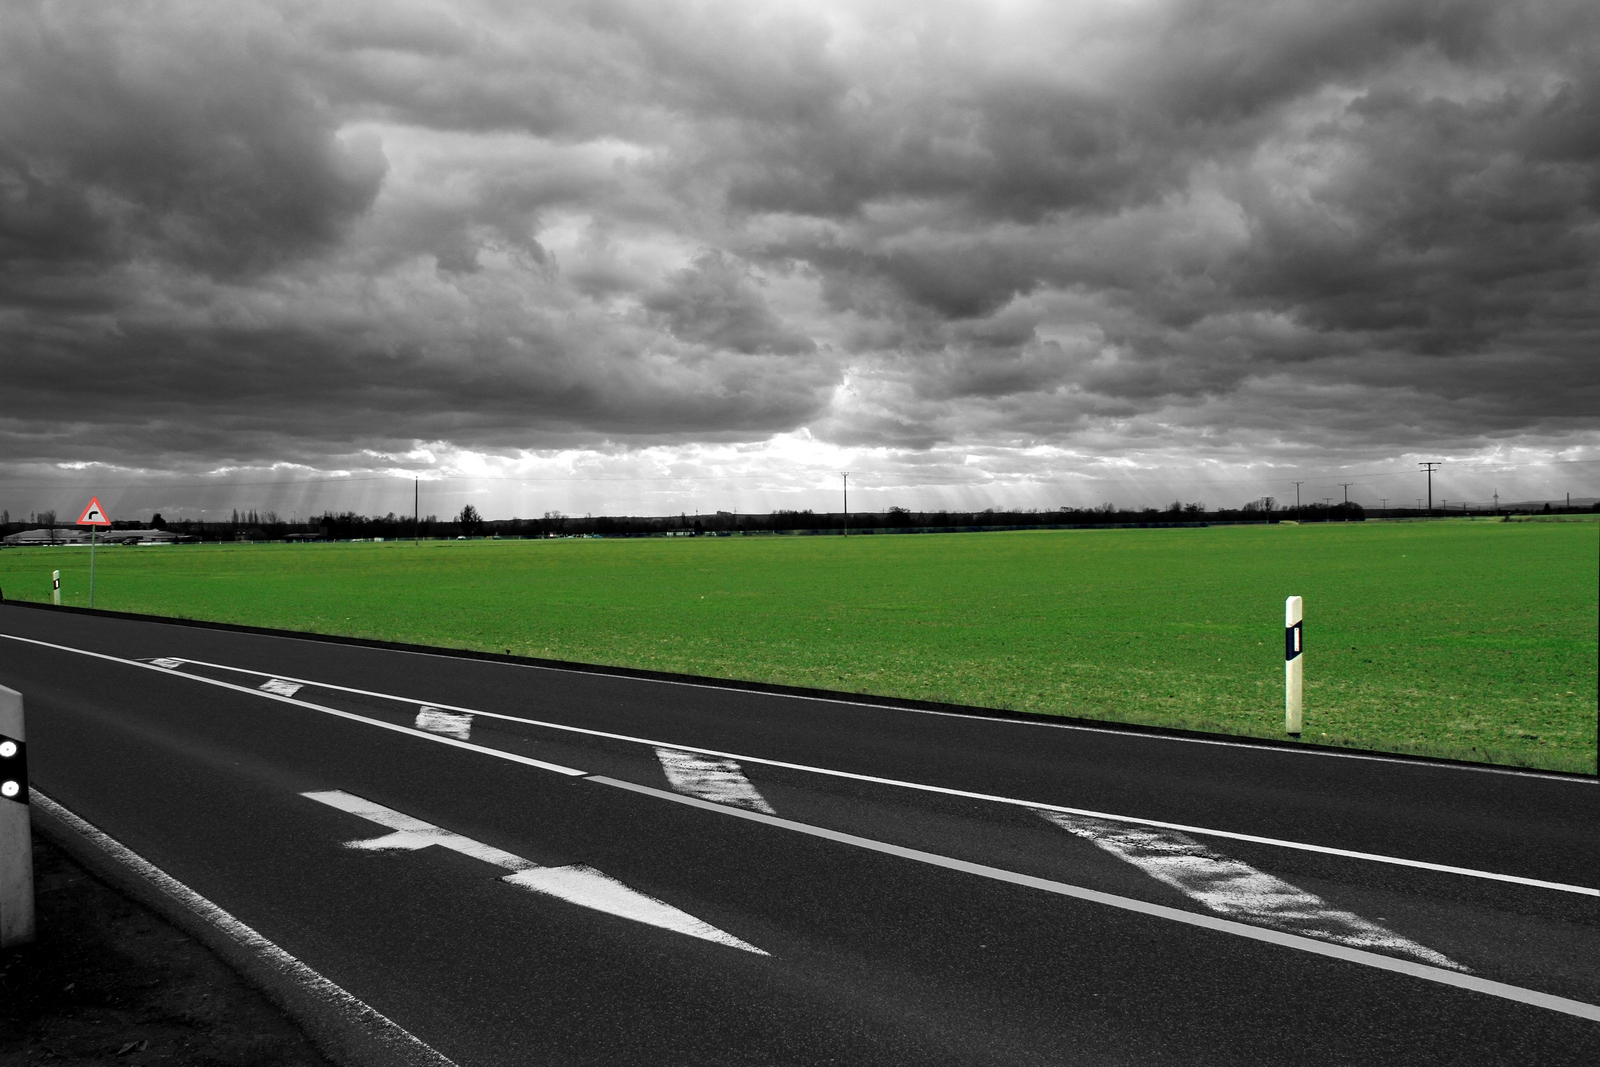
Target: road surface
x: 524, y: 865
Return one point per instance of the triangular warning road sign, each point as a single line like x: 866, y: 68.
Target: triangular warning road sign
x: 94, y: 514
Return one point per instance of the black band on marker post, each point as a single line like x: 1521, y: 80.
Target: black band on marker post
x: 1293, y: 645
x: 13, y: 770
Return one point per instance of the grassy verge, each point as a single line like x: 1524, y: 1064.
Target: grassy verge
x: 1472, y: 639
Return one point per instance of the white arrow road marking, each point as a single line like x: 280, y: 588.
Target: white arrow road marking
x: 351, y: 1019
x: 1237, y: 890
x: 710, y: 778
x: 1378, y: 961
x: 280, y: 687
x: 439, y: 721
x: 576, y: 883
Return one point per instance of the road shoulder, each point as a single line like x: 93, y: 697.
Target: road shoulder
x: 109, y: 980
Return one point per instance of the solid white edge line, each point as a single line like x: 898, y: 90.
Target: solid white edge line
x: 356, y: 1014
x: 249, y: 691
x: 1307, y: 750
x: 1375, y: 960
x: 1435, y: 974
x: 1327, y: 850
x: 1537, y: 883
x: 1040, y: 722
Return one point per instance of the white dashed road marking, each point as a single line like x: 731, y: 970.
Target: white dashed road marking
x: 1449, y: 976
x: 280, y: 687
x: 439, y: 721
x: 576, y: 883
x: 711, y: 778
x: 1237, y: 890
x: 1304, y: 846
x: 167, y: 662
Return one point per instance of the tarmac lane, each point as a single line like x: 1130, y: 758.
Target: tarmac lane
x: 522, y: 865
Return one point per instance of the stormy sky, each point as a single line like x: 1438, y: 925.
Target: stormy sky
x: 661, y: 256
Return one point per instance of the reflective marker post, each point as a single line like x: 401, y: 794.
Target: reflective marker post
x: 16, y: 833
x: 1293, y: 664
x: 55, y: 577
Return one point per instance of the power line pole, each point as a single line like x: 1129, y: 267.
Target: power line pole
x: 1430, y: 467
x: 846, y: 476
x: 1384, y: 501
x: 1497, y: 501
x: 416, y: 511
x: 1347, y: 486
x: 1297, y: 515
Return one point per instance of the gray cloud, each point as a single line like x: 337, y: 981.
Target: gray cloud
x: 122, y: 144
x: 713, y: 303
x: 283, y: 233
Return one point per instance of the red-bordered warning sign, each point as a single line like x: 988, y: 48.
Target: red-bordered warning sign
x: 94, y: 514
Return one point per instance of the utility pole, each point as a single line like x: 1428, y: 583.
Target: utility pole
x: 1297, y: 486
x: 416, y: 511
x: 1430, y: 467
x: 846, y: 476
x: 1347, y: 486
x: 1497, y: 501
x: 1383, y: 500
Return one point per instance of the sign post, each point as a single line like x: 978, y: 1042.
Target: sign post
x: 16, y: 832
x: 55, y: 592
x: 94, y: 516
x: 1293, y: 664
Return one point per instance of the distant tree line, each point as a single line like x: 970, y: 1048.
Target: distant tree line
x: 254, y: 525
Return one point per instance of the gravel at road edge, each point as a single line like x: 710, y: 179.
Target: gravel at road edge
x: 110, y: 982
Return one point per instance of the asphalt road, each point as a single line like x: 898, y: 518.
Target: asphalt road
x: 575, y: 868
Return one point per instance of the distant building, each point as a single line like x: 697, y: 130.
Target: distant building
x: 142, y: 537
x: 66, y: 535
x: 59, y: 536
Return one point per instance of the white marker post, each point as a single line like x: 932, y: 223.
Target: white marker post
x: 55, y: 578
x: 1293, y: 664
x: 16, y: 833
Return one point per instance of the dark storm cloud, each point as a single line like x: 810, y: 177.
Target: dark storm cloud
x: 713, y: 302
x: 283, y: 231
x: 120, y: 143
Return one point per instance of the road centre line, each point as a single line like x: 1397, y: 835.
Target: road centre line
x: 1328, y: 850
x: 1362, y: 957
x: 170, y: 673
x: 1537, y: 883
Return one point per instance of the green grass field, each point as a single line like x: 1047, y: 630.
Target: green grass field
x: 1472, y: 639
